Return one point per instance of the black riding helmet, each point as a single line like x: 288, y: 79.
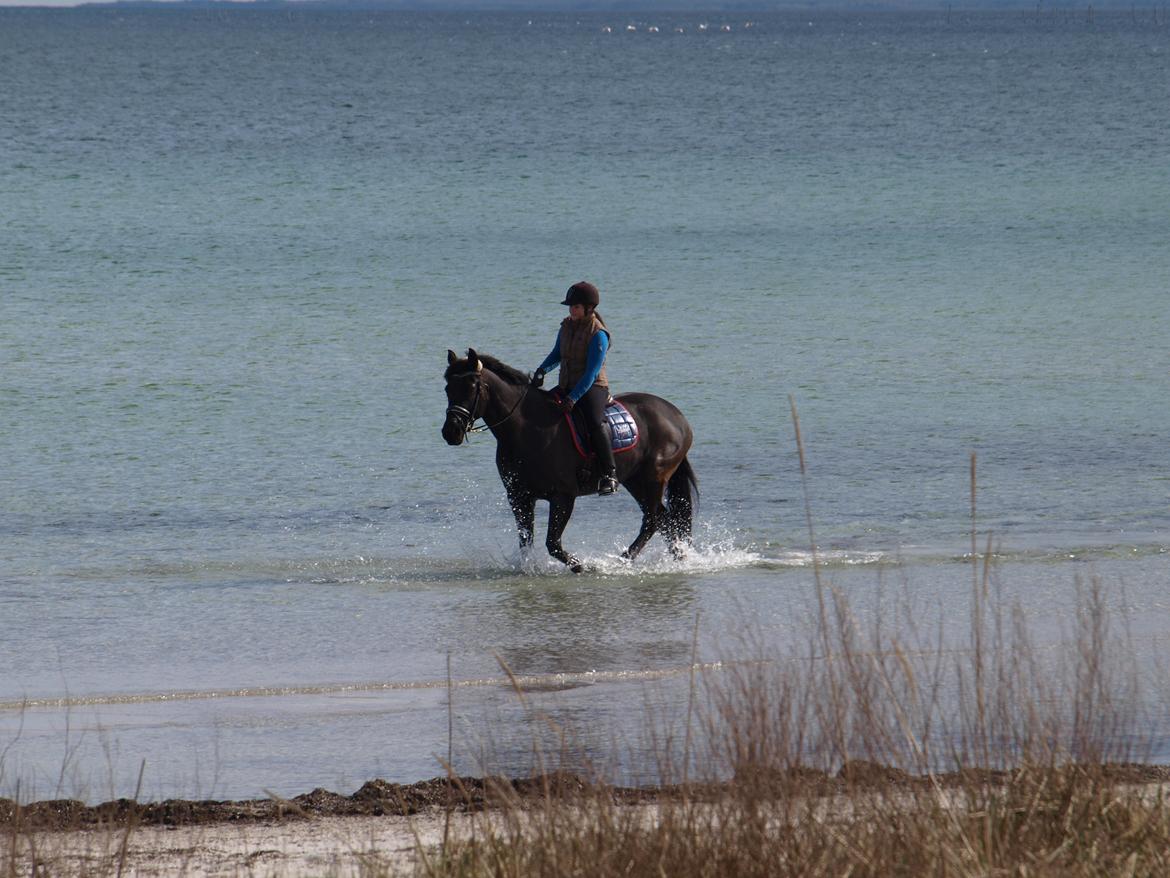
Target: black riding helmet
x: 582, y: 293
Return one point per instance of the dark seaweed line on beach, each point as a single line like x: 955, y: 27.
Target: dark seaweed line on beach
x: 378, y: 798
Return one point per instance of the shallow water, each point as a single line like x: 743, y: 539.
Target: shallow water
x: 238, y: 244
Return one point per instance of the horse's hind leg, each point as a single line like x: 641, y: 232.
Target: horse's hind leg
x: 677, y: 524
x: 560, y: 508
x: 676, y: 536
x: 653, y: 513
x: 679, y: 497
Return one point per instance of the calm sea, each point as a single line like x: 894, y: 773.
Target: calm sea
x: 236, y: 244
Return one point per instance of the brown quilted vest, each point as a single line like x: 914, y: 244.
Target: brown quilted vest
x: 574, y: 346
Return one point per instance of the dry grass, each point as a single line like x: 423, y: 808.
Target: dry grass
x: 866, y: 755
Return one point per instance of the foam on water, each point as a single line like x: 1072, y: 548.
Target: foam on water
x: 655, y: 560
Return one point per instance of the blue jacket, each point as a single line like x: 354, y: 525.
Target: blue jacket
x: 598, y: 346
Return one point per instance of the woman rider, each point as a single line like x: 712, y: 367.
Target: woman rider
x: 580, y: 352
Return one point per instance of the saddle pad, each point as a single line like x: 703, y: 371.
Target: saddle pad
x: 622, y: 427
x: 623, y: 430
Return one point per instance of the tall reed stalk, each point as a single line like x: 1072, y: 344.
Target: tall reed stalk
x: 873, y: 750
x: 865, y: 755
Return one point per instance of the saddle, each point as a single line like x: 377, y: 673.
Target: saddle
x: 623, y: 430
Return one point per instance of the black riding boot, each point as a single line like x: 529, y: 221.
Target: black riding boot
x: 602, y: 445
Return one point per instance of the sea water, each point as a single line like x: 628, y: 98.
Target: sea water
x: 237, y: 244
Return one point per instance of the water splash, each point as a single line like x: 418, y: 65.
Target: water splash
x: 826, y: 558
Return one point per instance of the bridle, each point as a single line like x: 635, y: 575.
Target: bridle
x: 467, y: 416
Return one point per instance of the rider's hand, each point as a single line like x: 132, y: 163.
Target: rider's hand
x: 565, y: 404
x: 538, y: 378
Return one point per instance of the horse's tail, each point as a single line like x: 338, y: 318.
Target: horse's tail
x: 682, y: 495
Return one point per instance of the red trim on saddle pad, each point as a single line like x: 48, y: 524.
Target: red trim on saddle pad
x: 613, y: 405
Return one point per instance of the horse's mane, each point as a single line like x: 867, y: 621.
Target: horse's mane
x: 500, y: 368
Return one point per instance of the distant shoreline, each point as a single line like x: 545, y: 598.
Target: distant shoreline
x: 680, y: 7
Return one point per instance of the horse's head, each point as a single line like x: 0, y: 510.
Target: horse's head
x: 465, y: 395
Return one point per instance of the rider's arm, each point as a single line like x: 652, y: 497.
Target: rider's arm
x: 553, y: 359
x: 598, y: 345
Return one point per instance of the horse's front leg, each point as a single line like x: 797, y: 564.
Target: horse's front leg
x: 560, y: 508
x: 524, y: 508
x: 521, y: 500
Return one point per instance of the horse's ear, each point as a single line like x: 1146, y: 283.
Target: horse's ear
x: 451, y: 358
x: 473, y: 359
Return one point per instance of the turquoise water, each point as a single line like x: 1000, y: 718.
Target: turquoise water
x: 238, y: 243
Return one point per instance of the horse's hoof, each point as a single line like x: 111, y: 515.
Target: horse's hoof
x: 577, y: 568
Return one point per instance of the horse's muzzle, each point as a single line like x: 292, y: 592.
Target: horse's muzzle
x: 455, y: 426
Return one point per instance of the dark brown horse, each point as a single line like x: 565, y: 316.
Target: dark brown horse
x: 538, y: 461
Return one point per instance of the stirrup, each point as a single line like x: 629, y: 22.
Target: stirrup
x: 608, y: 485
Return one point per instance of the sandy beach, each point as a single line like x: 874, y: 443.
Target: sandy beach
x: 387, y: 829
x: 382, y: 827
x: 309, y: 846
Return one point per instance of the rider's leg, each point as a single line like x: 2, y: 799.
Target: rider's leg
x: 594, y: 407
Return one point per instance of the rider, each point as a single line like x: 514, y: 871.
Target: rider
x: 580, y: 352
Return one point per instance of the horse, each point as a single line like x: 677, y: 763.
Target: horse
x: 538, y: 460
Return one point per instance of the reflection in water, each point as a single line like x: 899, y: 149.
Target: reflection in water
x: 620, y: 733
x: 591, y: 623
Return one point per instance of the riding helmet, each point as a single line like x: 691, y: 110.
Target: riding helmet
x: 582, y: 293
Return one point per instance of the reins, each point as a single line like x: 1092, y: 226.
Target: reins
x: 469, y: 417
x: 482, y: 427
